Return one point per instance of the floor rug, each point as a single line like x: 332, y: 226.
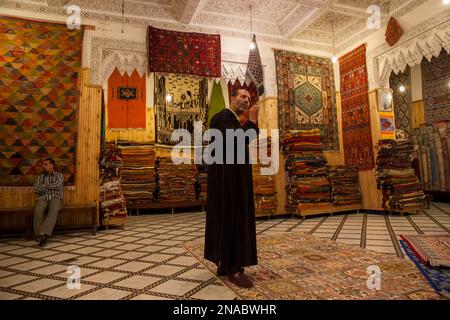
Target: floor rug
x: 439, y: 278
x: 298, y: 266
x: 433, y: 250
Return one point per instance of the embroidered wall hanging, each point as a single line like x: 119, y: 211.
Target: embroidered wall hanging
x: 39, y: 98
x: 184, y: 52
x: 307, y: 96
x: 126, y: 101
x: 393, y: 32
x: 436, y: 88
x: 187, y: 105
x: 356, y: 130
x: 402, y: 100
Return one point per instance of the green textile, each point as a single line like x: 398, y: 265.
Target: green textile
x: 217, y: 102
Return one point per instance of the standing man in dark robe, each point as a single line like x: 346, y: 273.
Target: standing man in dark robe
x: 230, y: 235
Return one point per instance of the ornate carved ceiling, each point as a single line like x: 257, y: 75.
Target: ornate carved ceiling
x: 307, y: 23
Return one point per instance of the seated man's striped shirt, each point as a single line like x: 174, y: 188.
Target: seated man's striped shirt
x: 49, y: 186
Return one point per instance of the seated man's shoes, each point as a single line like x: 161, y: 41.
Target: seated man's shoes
x: 43, y: 240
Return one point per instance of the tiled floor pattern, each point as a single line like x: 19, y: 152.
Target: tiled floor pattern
x: 147, y: 261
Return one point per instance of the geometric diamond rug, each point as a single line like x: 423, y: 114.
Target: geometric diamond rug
x: 439, y: 278
x: 298, y: 266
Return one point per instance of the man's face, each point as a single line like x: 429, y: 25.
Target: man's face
x: 242, y: 101
x: 47, y: 166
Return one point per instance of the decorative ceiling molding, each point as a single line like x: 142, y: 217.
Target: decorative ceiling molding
x: 189, y: 9
x: 426, y: 40
x: 98, y: 18
x: 299, y: 20
x: 297, y: 23
x: 104, y: 50
x: 360, y: 33
x: 124, y: 61
x: 233, y: 70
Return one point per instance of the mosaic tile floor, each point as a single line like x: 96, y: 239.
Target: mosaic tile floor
x: 146, y: 260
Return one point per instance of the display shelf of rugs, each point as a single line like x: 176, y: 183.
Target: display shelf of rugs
x: 345, y: 191
x: 402, y: 190
x: 308, y: 187
x: 176, y: 184
x: 264, y: 188
x: 432, y: 144
x: 113, y: 209
x: 138, y: 172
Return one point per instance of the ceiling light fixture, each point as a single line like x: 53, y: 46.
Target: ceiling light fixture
x: 252, y: 45
x: 334, y: 59
x: 123, y: 13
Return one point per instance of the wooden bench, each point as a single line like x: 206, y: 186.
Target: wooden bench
x: 10, y: 218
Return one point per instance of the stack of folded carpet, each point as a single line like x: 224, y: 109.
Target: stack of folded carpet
x: 201, y: 182
x: 433, y: 153
x: 138, y: 171
x: 344, y: 182
x: 112, y: 201
x: 176, y: 182
x: 305, y: 164
x: 264, y: 189
x: 395, y: 175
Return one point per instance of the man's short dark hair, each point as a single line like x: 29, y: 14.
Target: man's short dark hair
x: 235, y: 92
x: 50, y: 160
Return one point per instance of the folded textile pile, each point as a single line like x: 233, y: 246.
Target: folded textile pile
x: 264, y: 189
x: 176, y: 182
x: 138, y: 171
x: 112, y: 201
x: 305, y: 164
x: 344, y: 182
x: 395, y: 176
x: 433, y: 154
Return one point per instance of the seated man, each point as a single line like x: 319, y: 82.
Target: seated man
x: 49, y: 191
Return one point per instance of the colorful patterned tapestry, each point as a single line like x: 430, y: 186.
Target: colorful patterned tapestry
x: 387, y: 125
x: 436, y: 89
x: 217, y: 101
x: 307, y: 96
x: 356, y: 130
x: 402, y: 100
x: 187, y: 105
x: 298, y: 266
x: 183, y: 52
x: 250, y: 88
x: 39, y: 98
x: 126, y: 100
